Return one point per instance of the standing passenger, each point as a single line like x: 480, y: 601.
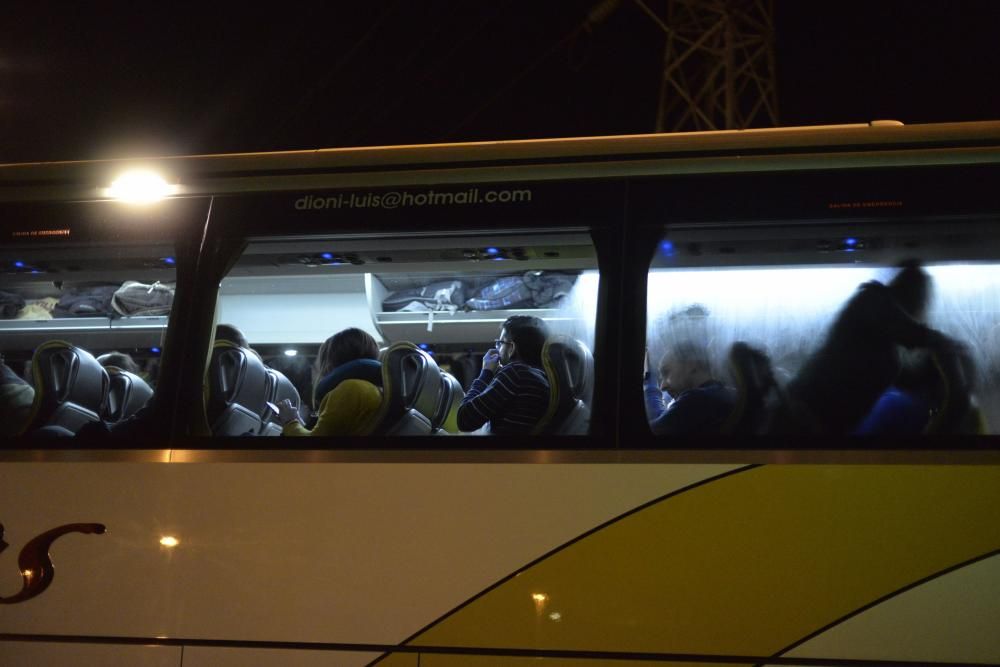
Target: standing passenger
x: 511, y: 394
x: 842, y: 381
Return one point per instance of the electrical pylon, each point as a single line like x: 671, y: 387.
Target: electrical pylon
x: 718, y: 64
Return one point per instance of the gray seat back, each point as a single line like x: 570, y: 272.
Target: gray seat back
x: 446, y: 416
x: 128, y: 393
x: 279, y: 388
x: 237, y: 390
x: 569, y: 366
x: 71, y: 387
x: 411, y: 392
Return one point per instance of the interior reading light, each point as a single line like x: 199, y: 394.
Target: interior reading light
x: 291, y: 353
x: 169, y: 541
x: 140, y: 187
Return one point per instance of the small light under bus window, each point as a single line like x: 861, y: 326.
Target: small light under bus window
x: 140, y: 187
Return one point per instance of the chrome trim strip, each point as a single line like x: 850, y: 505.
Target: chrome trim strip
x: 679, y: 456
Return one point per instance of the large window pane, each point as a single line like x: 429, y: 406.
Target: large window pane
x: 82, y: 331
x: 819, y: 330
x: 420, y: 313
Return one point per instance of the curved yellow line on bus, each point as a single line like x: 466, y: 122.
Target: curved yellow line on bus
x: 744, y: 565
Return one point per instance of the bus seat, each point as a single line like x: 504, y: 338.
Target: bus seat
x: 279, y: 388
x: 237, y: 390
x: 411, y: 392
x: 569, y: 366
x: 957, y: 412
x: 127, y: 394
x: 754, y: 380
x: 71, y: 387
x: 446, y: 416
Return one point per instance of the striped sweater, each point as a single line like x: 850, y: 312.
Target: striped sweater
x: 512, y: 401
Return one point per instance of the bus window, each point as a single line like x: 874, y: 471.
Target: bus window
x: 350, y: 336
x: 82, y: 330
x: 868, y: 330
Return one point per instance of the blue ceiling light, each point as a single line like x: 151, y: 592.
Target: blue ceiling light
x: 424, y: 346
x: 667, y: 247
x: 326, y: 255
x: 169, y: 260
x: 492, y: 251
x: 19, y: 264
x: 850, y: 242
x: 154, y: 350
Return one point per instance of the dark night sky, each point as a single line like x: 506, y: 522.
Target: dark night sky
x: 90, y: 80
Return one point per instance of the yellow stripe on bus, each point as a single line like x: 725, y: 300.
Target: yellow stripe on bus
x: 744, y: 565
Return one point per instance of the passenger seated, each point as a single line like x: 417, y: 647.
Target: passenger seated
x: 511, y: 394
x: 16, y: 398
x: 349, y: 377
x: 905, y: 407
x: 232, y: 334
x: 700, y: 403
x: 841, y: 382
x: 120, y: 360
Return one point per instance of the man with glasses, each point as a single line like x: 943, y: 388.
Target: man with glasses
x: 511, y: 394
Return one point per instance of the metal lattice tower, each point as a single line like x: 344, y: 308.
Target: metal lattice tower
x: 718, y: 65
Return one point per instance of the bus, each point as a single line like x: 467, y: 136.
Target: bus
x: 165, y: 323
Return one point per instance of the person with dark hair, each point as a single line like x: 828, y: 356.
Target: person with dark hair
x: 511, y: 393
x: 16, y: 399
x: 699, y: 403
x: 859, y: 360
x: 119, y: 360
x: 232, y: 334
x: 347, y: 388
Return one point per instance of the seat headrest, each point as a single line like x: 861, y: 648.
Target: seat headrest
x: 281, y: 388
x: 71, y: 387
x: 751, y: 366
x: 569, y: 366
x: 128, y: 393
x: 411, y: 376
x: 411, y: 383
x: 446, y: 415
x: 956, y: 375
x: 237, y: 389
x: 754, y: 378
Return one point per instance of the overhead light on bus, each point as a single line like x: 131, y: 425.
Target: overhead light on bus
x: 492, y: 251
x: 169, y: 541
x: 291, y: 353
x: 19, y: 264
x: 140, y: 187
